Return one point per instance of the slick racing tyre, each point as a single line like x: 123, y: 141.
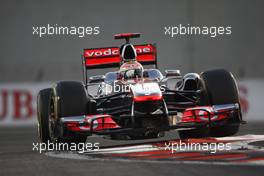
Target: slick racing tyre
x: 219, y: 88
x: 68, y: 98
x: 43, y: 114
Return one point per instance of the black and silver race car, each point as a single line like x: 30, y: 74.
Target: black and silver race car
x: 138, y: 102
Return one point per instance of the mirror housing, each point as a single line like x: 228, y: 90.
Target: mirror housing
x: 173, y: 73
x: 96, y: 79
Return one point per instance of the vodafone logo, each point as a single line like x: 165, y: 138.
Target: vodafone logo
x: 114, y: 51
x: 140, y: 50
x: 102, y: 52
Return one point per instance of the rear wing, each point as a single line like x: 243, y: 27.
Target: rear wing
x: 110, y: 57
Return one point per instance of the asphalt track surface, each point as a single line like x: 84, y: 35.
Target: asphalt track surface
x: 17, y: 158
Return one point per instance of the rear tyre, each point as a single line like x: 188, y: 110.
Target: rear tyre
x: 69, y: 98
x: 219, y: 88
x: 43, y: 114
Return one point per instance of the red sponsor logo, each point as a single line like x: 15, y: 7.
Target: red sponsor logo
x: 104, y: 52
x: 16, y: 103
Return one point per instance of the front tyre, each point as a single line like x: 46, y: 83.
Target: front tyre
x: 68, y: 98
x: 219, y: 87
x: 43, y: 114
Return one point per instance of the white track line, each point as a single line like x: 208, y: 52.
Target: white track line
x: 239, y: 141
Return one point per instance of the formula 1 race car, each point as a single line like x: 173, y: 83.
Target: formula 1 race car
x: 138, y: 102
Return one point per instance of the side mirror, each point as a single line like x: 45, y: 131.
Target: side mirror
x: 172, y: 73
x: 96, y: 79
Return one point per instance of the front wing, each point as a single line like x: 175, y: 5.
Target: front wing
x: 191, y: 118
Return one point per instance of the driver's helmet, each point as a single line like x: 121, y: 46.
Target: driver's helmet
x: 131, y: 70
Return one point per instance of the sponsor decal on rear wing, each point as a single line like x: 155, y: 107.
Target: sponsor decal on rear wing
x: 110, y: 57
